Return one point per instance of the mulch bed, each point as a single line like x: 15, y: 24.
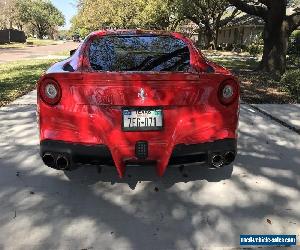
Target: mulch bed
x: 259, y: 87
x: 256, y: 87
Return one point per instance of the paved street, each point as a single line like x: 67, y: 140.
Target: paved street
x: 41, y: 208
x: 13, y: 54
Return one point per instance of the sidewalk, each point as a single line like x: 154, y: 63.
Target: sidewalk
x: 288, y: 113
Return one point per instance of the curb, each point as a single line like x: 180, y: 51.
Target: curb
x: 283, y: 123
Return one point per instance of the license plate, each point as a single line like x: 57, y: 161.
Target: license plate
x: 141, y: 119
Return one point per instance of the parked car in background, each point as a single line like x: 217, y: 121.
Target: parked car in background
x: 132, y: 97
x: 76, y: 38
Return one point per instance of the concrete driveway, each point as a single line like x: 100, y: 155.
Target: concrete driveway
x: 189, y: 208
x: 34, y: 52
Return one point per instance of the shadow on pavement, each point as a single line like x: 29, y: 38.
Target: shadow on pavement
x: 138, y: 174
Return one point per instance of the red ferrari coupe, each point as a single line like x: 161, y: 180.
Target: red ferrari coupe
x: 133, y: 97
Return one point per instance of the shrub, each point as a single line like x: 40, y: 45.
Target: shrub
x: 291, y: 83
x: 294, y: 43
x: 255, y: 49
x: 257, y: 46
x: 294, y: 60
x: 294, y: 49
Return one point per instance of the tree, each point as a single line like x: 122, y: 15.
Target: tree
x: 41, y: 15
x: 156, y: 14
x: 99, y: 14
x: 152, y: 14
x: 207, y: 14
x: 7, y: 14
x: 277, y: 30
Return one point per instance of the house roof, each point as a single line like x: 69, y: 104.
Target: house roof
x: 246, y: 19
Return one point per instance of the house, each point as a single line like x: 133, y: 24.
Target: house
x: 242, y: 30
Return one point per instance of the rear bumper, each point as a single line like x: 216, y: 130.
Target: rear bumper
x: 101, y: 155
x: 77, y: 153
x: 185, y: 154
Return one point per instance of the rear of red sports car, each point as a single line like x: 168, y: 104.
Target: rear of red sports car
x: 137, y: 97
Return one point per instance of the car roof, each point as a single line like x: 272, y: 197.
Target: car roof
x: 134, y: 32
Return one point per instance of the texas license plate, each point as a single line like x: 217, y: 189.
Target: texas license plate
x: 141, y: 119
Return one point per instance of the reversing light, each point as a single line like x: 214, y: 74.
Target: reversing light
x: 50, y: 92
x: 228, y: 92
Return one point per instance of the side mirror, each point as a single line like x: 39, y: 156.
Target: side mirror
x: 72, y: 52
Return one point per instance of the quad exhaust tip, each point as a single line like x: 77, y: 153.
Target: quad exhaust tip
x: 62, y: 162
x: 217, y: 160
x: 229, y: 157
x: 48, y: 160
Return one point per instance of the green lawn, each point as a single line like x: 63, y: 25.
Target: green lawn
x: 29, y: 42
x: 18, y: 78
x: 12, y: 45
x: 237, y: 63
x: 65, y: 53
x: 231, y: 60
x: 42, y: 42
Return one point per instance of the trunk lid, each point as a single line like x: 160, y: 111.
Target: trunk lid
x: 141, y: 89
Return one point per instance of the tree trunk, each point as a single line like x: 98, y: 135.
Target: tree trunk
x: 276, y: 35
x: 209, y: 38
x: 40, y: 34
x: 51, y: 35
x: 278, y: 28
x: 216, y: 38
x: 275, y: 48
x: 199, y: 42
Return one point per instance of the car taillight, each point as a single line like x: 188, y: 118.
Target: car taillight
x: 228, y: 92
x: 50, y: 92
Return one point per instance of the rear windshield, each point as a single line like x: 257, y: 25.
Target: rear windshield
x: 139, y: 53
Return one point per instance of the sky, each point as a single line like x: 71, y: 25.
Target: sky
x: 68, y: 8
